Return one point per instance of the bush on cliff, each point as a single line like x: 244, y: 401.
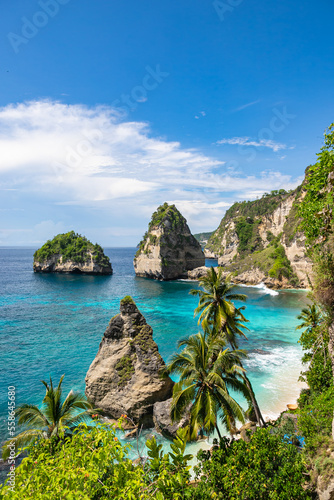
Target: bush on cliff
x: 71, y: 246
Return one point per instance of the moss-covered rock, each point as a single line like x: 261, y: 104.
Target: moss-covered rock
x: 71, y: 253
x: 125, y: 376
x: 168, y: 249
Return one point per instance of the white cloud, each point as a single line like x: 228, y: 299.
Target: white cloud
x: 244, y: 106
x: 247, y: 141
x: 88, y: 168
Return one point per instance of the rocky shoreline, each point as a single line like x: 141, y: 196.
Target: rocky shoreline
x: 251, y: 277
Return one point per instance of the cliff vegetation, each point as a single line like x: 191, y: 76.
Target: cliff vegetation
x: 72, y: 247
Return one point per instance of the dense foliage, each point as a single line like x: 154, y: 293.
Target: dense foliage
x: 248, y: 215
x: 256, y: 208
x: 93, y: 465
x: 317, y: 206
x: 266, y: 467
x: 71, y: 246
x: 57, y: 414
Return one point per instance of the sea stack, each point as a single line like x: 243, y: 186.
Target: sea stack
x: 71, y: 253
x: 168, y: 250
x: 125, y: 376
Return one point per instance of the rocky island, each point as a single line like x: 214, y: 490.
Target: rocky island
x: 71, y: 253
x: 125, y: 376
x: 168, y: 250
x: 260, y: 241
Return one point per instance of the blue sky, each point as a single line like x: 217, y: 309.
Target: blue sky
x: 108, y: 109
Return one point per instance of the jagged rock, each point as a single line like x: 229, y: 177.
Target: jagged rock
x: 209, y: 254
x: 199, y: 272
x: 163, y: 422
x: 325, y: 489
x: 71, y: 253
x: 168, y: 249
x: 261, y: 226
x: 124, y: 377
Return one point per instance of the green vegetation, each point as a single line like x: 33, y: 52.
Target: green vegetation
x: 256, y: 208
x: 166, y: 216
x: 125, y: 370
x: 272, y: 260
x: 93, y: 465
x: 203, y: 238
x: 56, y: 415
x: 281, y: 267
x: 207, y: 371
x: 71, y: 246
x: 222, y: 321
x: 247, y: 215
x: 247, y: 231
x: 316, y: 404
x: 317, y: 206
x: 127, y: 300
x: 167, y: 212
x: 266, y: 467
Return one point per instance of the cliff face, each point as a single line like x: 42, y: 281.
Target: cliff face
x: 168, y: 249
x: 71, y: 253
x: 124, y: 377
x: 259, y: 240
x: 55, y: 264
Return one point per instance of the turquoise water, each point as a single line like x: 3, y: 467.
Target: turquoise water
x: 52, y: 324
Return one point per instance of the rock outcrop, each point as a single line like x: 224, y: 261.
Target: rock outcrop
x: 168, y: 249
x: 259, y: 241
x: 71, y: 253
x: 199, y: 272
x: 125, y: 376
x: 163, y: 422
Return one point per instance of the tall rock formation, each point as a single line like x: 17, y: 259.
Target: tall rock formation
x: 125, y: 376
x: 71, y: 253
x: 168, y: 249
x: 260, y: 240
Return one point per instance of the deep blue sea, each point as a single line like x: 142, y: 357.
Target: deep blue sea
x: 52, y: 325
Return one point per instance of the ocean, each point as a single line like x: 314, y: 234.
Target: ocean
x: 52, y: 325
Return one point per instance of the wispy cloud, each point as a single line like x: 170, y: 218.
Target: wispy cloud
x: 247, y: 141
x: 244, y: 106
x: 71, y: 166
x: 202, y: 113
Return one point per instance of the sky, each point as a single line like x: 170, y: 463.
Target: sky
x: 108, y: 109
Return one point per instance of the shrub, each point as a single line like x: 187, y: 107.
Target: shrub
x: 265, y: 468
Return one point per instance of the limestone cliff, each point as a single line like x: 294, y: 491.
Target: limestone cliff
x: 71, y: 253
x: 124, y: 377
x: 260, y: 240
x: 168, y: 249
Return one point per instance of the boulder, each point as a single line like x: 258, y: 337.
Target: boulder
x: 199, y: 272
x: 163, y: 422
x: 168, y: 250
x: 125, y: 376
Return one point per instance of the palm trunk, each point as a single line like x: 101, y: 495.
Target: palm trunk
x: 259, y: 417
x: 218, y: 431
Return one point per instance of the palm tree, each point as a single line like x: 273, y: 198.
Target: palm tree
x: 215, y: 306
x: 55, y: 415
x: 207, y: 372
x: 311, y: 319
x: 219, y: 316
